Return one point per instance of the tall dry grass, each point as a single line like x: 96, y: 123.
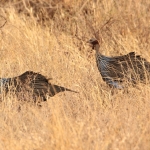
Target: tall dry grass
x: 93, y: 119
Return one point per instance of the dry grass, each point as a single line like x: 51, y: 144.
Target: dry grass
x: 93, y: 119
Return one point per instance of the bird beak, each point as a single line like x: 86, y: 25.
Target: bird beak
x: 49, y: 79
x: 87, y: 41
x: 90, y: 44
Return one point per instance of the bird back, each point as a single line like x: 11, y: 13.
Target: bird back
x: 131, y: 67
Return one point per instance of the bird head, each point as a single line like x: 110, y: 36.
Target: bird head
x: 93, y: 42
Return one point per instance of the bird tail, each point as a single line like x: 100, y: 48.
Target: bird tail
x: 54, y: 89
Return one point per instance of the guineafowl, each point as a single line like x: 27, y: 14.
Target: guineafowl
x: 116, y: 70
x: 34, y: 83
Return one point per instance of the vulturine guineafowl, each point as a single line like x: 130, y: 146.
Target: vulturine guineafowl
x: 116, y: 70
x: 34, y: 83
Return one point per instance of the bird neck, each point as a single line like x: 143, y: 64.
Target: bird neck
x: 96, y: 47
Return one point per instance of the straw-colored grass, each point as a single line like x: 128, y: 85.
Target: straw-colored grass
x: 93, y: 119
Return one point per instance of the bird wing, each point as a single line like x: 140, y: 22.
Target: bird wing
x: 131, y: 65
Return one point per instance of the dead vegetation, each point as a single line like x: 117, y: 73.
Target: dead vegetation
x: 50, y: 37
